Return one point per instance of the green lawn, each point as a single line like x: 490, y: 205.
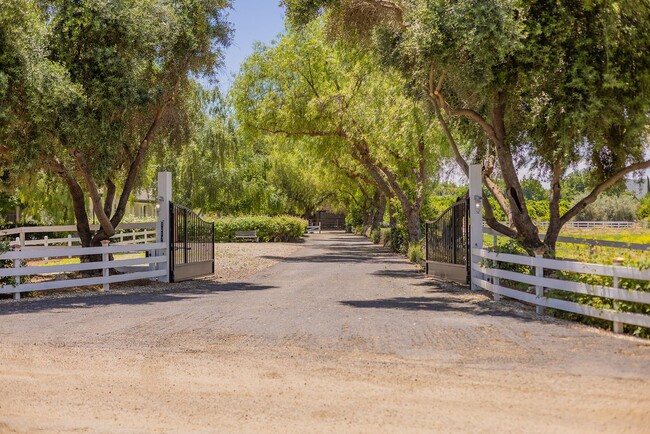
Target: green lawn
x: 641, y: 236
x: 598, y: 254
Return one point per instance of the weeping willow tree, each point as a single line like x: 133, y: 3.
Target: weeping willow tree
x: 339, y: 105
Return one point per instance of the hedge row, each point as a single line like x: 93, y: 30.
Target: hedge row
x: 280, y: 228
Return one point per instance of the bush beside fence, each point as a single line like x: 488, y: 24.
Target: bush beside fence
x: 269, y: 229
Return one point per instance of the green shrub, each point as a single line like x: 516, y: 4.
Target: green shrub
x: 644, y: 209
x: 269, y: 229
x: 614, y: 208
x: 399, y: 239
x: 375, y: 236
x: 384, y: 236
x: 416, y: 252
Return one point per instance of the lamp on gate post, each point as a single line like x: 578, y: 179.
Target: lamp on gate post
x: 477, y: 203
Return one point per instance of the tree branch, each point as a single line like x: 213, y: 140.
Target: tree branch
x: 110, y: 196
x: 95, y: 197
x: 582, y: 204
x: 498, y: 195
x: 134, y: 169
x: 436, y: 108
x: 494, y: 223
x: 78, y: 201
x: 469, y: 114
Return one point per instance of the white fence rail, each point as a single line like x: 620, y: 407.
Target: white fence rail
x: 45, y: 277
x: 574, y: 224
x: 489, y: 275
x: 128, y: 233
x: 312, y: 228
x: 582, y: 241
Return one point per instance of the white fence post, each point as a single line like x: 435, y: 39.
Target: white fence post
x: 69, y: 243
x: 476, y: 217
x: 45, y: 239
x: 162, y: 227
x: 496, y: 280
x: 105, y: 266
x: 617, y: 327
x: 17, y: 264
x: 539, y: 289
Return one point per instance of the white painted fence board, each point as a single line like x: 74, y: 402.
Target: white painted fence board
x: 565, y: 285
x: 585, y: 241
x: 67, y: 268
x: 51, y: 241
x: 140, y: 275
x: 139, y: 238
x: 563, y: 265
x: 568, y: 306
x: 71, y: 228
x: 72, y: 283
x: 58, y: 251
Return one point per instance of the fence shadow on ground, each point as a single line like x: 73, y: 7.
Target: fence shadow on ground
x: 122, y: 296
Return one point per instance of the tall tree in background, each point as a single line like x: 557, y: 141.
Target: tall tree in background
x: 91, y: 85
x: 339, y: 102
x: 516, y: 83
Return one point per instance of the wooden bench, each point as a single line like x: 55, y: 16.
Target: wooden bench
x: 246, y: 236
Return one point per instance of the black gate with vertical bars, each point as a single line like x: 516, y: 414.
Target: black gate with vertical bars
x: 191, y: 244
x: 447, y: 243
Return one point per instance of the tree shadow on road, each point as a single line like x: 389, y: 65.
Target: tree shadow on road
x: 447, y: 303
x: 148, y: 293
x: 401, y: 274
x: 351, y: 257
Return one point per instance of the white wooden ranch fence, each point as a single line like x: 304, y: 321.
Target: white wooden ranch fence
x: 138, y: 251
x: 487, y: 274
x: 152, y: 265
x: 577, y: 224
x: 129, y: 233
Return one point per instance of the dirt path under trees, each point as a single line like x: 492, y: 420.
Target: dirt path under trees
x: 337, y: 335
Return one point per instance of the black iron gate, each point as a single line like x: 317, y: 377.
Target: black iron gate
x: 447, y: 243
x: 191, y: 244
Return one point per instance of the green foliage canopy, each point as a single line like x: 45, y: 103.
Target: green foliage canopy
x: 93, y: 84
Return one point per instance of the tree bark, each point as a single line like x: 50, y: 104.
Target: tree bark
x: 378, y: 218
x: 78, y: 202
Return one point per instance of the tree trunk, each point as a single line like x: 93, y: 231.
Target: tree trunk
x: 380, y: 211
x: 392, y: 220
x: 413, y: 224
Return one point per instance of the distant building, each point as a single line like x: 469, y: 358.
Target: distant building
x: 329, y: 220
x: 141, y: 206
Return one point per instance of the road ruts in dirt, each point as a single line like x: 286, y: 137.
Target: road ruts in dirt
x: 335, y: 335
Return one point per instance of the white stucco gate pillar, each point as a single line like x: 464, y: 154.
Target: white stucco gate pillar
x: 476, y: 218
x: 162, y: 226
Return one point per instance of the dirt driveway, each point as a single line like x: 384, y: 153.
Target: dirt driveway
x: 337, y: 336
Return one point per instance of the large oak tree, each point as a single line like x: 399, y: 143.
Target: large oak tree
x: 87, y: 87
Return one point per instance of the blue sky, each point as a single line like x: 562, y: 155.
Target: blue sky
x: 253, y: 20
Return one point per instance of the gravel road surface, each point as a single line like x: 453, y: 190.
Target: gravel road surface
x: 335, y: 335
